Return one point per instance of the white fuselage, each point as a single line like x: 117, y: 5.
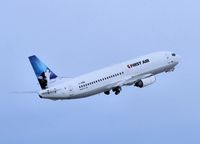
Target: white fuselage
x: 123, y: 74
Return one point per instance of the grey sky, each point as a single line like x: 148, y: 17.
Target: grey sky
x: 76, y: 37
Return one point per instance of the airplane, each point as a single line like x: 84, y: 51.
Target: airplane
x: 139, y: 72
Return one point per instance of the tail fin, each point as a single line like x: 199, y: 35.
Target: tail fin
x: 44, y: 75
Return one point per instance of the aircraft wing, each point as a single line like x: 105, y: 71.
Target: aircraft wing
x: 128, y: 81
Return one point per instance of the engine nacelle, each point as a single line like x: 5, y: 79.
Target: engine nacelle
x: 145, y: 82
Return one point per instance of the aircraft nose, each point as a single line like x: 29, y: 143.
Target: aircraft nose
x: 178, y: 58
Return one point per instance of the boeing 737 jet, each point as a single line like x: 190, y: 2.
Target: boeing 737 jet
x: 139, y: 72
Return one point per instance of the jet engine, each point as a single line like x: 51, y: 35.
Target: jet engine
x: 145, y: 82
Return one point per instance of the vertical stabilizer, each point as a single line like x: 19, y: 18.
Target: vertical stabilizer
x: 44, y: 75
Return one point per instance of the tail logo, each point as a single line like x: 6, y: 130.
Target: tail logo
x: 43, y: 73
x: 46, y: 77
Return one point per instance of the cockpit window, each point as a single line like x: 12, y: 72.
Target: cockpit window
x: 173, y: 54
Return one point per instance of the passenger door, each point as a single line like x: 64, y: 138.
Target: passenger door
x: 70, y: 89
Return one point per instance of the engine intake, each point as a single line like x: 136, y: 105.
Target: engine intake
x: 145, y: 82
